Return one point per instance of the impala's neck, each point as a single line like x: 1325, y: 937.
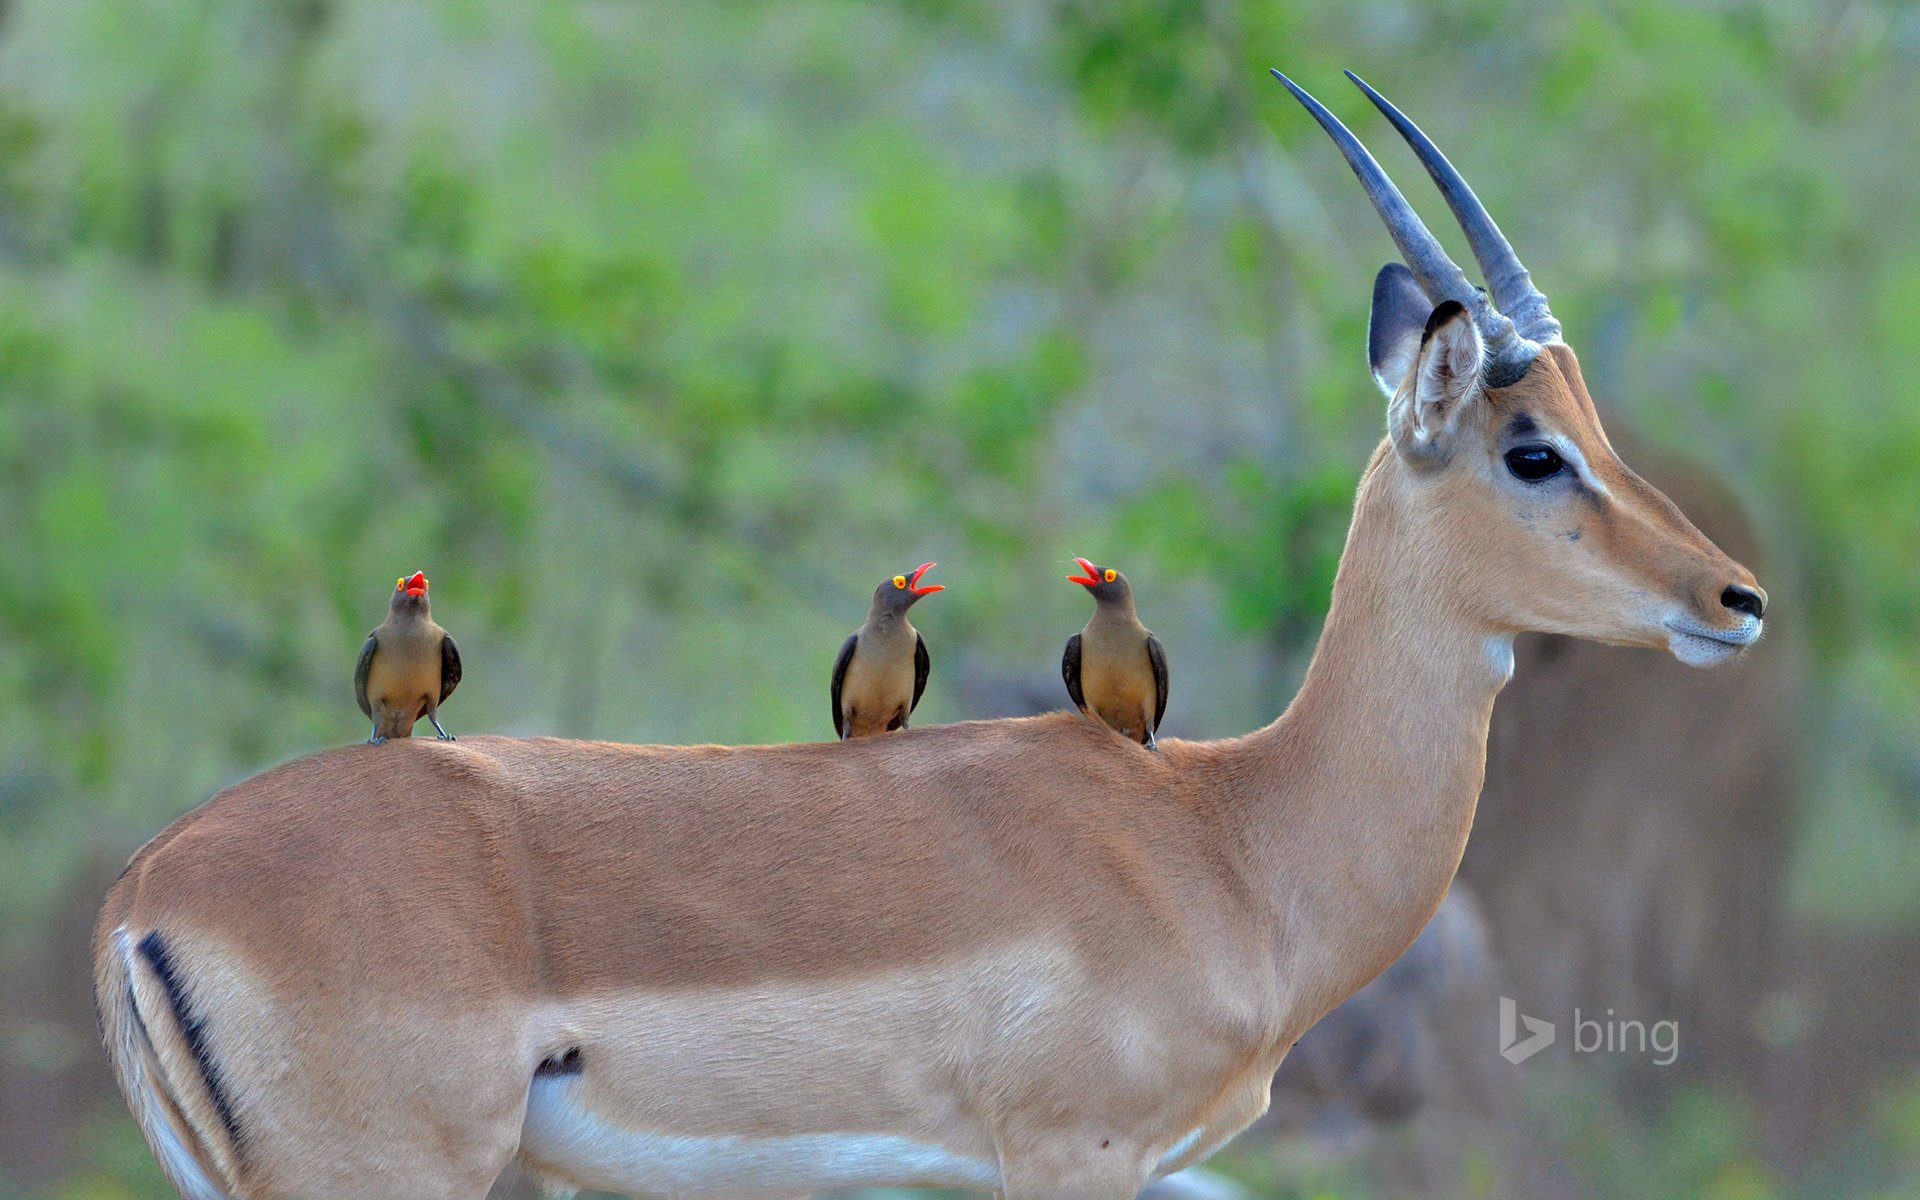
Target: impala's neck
x: 1357, y: 801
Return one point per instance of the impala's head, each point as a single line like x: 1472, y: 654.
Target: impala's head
x: 899, y: 593
x: 409, y: 593
x: 1107, y: 585
x: 1543, y: 525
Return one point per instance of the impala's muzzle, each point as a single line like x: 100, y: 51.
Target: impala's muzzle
x: 1701, y: 643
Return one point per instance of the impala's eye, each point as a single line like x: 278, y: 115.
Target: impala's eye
x: 1534, y: 463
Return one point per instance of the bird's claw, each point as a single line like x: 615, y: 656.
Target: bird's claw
x: 376, y: 740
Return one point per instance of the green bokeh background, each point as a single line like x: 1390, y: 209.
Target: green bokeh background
x: 657, y: 333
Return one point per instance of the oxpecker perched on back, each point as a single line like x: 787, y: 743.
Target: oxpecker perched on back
x: 408, y: 666
x: 1115, y: 669
x: 882, y: 668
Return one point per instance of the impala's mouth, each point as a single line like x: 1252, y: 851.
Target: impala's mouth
x: 1701, y: 645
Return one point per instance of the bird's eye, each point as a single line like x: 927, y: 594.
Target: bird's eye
x: 1110, y: 575
x: 899, y: 581
x: 399, y: 583
x: 1534, y: 463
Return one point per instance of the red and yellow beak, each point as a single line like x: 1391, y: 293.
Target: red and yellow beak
x: 417, y: 585
x: 1089, y: 576
x: 913, y: 581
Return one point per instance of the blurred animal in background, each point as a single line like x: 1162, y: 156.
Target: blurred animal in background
x: 1115, y: 668
x: 1632, y: 838
x: 883, y: 665
x: 408, y: 665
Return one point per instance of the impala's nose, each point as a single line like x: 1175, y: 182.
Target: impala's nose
x: 1743, y: 599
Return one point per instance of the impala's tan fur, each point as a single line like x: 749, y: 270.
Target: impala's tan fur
x: 1030, y: 946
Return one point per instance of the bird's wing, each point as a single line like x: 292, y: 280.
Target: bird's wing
x: 1157, y: 655
x: 360, y: 672
x: 1070, y: 670
x: 921, y: 665
x: 840, y: 677
x: 449, y: 667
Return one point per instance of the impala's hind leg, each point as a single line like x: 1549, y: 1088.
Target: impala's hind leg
x: 448, y: 1151
x: 377, y: 1101
x: 441, y: 1121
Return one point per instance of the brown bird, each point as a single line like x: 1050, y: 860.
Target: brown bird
x: 1115, y: 668
x: 408, y: 666
x: 882, y: 668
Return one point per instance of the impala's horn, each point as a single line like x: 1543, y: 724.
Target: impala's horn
x: 1513, y: 290
x: 1509, y: 353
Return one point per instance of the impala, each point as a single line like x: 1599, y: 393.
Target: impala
x: 1023, y: 956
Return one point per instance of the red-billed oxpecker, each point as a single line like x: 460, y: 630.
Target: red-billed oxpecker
x: 1115, y: 668
x: 882, y: 668
x: 408, y: 666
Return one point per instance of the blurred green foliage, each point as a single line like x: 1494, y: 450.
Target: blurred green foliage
x: 656, y: 333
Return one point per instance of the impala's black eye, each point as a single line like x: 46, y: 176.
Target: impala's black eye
x: 1534, y: 463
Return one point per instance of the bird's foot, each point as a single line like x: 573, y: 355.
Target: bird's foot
x: 444, y: 735
x: 1151, y: 743
x: 376, y: 740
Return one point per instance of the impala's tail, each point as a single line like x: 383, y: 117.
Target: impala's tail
x: 162, y: 1061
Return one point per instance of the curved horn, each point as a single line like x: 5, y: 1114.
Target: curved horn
x: 1511, y: 285
x: 1437, y: 274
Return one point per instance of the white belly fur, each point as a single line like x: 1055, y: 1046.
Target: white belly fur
x: 786, y: 1088
x: 597, y: 1153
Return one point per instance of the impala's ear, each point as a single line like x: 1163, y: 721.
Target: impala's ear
x: 1446, y: 378
x: 1399, y: 313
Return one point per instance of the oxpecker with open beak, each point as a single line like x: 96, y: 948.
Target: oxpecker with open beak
x: 408, y: 666
x: 1115, y: 668
x: 882, y: 668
